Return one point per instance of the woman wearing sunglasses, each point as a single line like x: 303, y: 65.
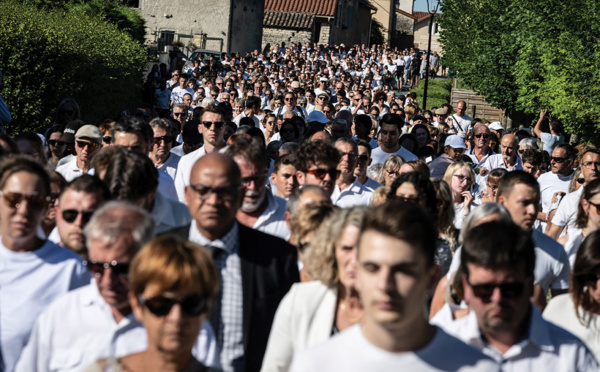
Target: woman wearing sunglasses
x: 579, y: 311
x: 173, y: 283
x: 56, y: 147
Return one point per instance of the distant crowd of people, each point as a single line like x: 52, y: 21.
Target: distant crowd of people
x: 291, y: 211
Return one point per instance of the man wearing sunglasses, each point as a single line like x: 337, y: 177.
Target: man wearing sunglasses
x: 212, y: 129
x: 87, y: 140
x: 555, y: 184
x: 480, y: 150
x: 348, y: 191
x: 364, y: 160
x: 75, y: 207
x: 316, y: 164
x: 160, y: 153
x: 498, y: 266
x: 96, y: 321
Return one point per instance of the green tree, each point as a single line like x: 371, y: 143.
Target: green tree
x: 51, y: 55
x: 526, y: 55
x: 377, y: 37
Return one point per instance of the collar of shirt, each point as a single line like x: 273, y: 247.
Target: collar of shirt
x: 355, y: 188
x: 227, y: 242
x: 271, y: 208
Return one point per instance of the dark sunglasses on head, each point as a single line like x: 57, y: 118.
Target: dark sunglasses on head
x: 158, y: 140
x: 508, y: 290
x: 590, y: 279
x: 218, y: 124
x: 70, y: 215
x: 107, y: 139
x: 558, y: 159
x: 334, y: 173
x: 82, y: 145
x: 55, y: 142
x: 97, y: 268
x: 161, y: 306
x: 14, y: 199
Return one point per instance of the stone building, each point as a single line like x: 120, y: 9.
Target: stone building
x: 421, y: 32
x: 230, y: 25
x: 317, y: 21
x: 397, y: 19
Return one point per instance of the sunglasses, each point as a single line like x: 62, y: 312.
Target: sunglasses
x: 218, y: 124
x: 193, y: 305
x: 246, y: 181
x: 107, y: 139
x: 83, y: 145
x: 408, y: 199
x: 319, y: 173
x: 178, y: 114
x: 595, y: 205
x: 55, y: 142
x: 97, y: 268
x: 158, y: 140
x: 225, y: 193
x: 509, y: 290
x: 363, y: 158
x: 351, y: 155
x: 14, y: 199
x: 484, y: 135
x: 558, y: 160
x: 70, y: 215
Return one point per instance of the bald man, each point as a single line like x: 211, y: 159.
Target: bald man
x: 267, y: 265
x: 508, y: 159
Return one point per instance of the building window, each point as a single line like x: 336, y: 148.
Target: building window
x: 350, y: 15
x: 338, y: 15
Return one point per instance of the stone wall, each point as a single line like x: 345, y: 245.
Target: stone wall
x: 422, y: 36
x: 279, y: 35
x: 324, y: 34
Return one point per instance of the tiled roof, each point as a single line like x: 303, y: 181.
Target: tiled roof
x: 325, y: 8
x: 422, y: 16
x: 288, y: 20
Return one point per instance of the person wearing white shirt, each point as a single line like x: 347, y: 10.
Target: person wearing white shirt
x: 160, y: 152
x: 460, y: 121
x: 260, y: 210
x: 87, y: 140
x: 391, y: 127
x: 395, y: 271
x: 364, y: 160
x: 94, y: 322
x: 178, y: 92
x: 566, y: 213
x: 348, y: 191
x: 212, y: 128
x: 497, y: 262
x: 480, y: 150
x: 555, y: 184
x: 33, y: 271
x: 507, y: 160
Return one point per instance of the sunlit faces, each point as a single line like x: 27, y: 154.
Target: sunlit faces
x: 285, y: 180
x: 392, y: 279
x: 345, y: 255
x: 131, y: 141
x: 81, y: 205
x: 212, y: 135
x: 522, y: 203
x: 389, y: 137
x: 254, y: 182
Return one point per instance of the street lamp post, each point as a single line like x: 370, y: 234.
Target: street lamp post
x: 431, y: 15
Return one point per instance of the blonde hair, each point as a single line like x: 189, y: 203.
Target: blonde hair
x: 392, y: 160
x: 309, y: 218
x: 319, y: 256
x: 380, y: 195
x: 452, y: 168
x: 174, y: 264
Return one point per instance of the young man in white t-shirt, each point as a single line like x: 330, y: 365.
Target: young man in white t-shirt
x: 396, y: 270
x: 390, y: 130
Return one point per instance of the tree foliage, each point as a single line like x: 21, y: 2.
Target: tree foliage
x: 51, y: 55
x: 525, y: 55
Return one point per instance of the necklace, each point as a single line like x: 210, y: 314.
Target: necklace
x: 343, y: 308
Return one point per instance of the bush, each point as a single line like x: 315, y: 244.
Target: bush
x: 438, y: 92
x: 51, y: 55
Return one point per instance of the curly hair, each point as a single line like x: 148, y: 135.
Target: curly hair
x: 319, y: 256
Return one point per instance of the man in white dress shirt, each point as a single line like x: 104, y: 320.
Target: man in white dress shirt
x: 348, y: 191
x: 497, y: 262
x: 87, y: 140
x: 395, y: 272
x: 508, y: 159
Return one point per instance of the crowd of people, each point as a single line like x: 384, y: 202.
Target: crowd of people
x: 292, y: 211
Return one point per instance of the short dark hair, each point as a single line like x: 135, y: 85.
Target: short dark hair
x: 423, y: 186
x: 405, y: 221
x: 393, y: 119
x: 556, y: 126
x: 365, y: 144
x: 134, y: 124
x: 252, y: 101
x: 531, y: 156
x: 313, y: 152
x: 497, y: 245
x: 90, y: 185
x: 130, y: 176
x: 363, y: 126
x: 23, y: 163
x: 509, y: 181
x: 570, y: 151
x: 248, y: 149
x: 284, y: 160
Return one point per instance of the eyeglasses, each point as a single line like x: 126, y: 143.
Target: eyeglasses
x: 14, y: 199
x: 321, y: 97
x: 52, y: 198
x: 193, y: 305
x: 326, y: 111
x: 580, y: 181
x: 246, y: 181
x: 97, y: 268
x: 158, y: 140
x: 224, y: 193
x: 462, y: 178
x: 493, y: 187
x: 408, y: 199
x: 320, y: 173
x: 218, y: 124
x: 484, y: 135
x: 351, y: 155
x: 270, y: 122
x: 363, y: 158
x: 70, y: 215
x: 558, y: 159
x: 55, y: 142
x: 597, y: 207
x: 178, y: 114
x: 90, y: 145
x: 289, y: 99
x: 107, y: 139
x: 509, y: 290
x: 591, y: 164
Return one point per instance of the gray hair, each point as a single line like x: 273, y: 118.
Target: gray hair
x: 116, y: 219
x: 290, y: 112
x: 160, y: 123
x: 240, y: 100
x: 181, y: 106
x: 528, y: 142
x: 374, y: 170
x: 479, y: 213
x: 292, y: 203
x: 208, y: 101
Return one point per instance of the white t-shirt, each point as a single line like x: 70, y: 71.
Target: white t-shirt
x: 551, y: 183
x: 572, y: 245
x: 170, y: 166
x: 566, y: 213
x: 272, y: 220
x: 70, y: 171
x: 355, y: 195
x: 29, y: 282
x: 350, y: 351
x: 184, y: 169
x: 379, y: 156
x: 464, y: 123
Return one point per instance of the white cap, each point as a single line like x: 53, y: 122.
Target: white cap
x: 496, y: 126
x: 455, y: 141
